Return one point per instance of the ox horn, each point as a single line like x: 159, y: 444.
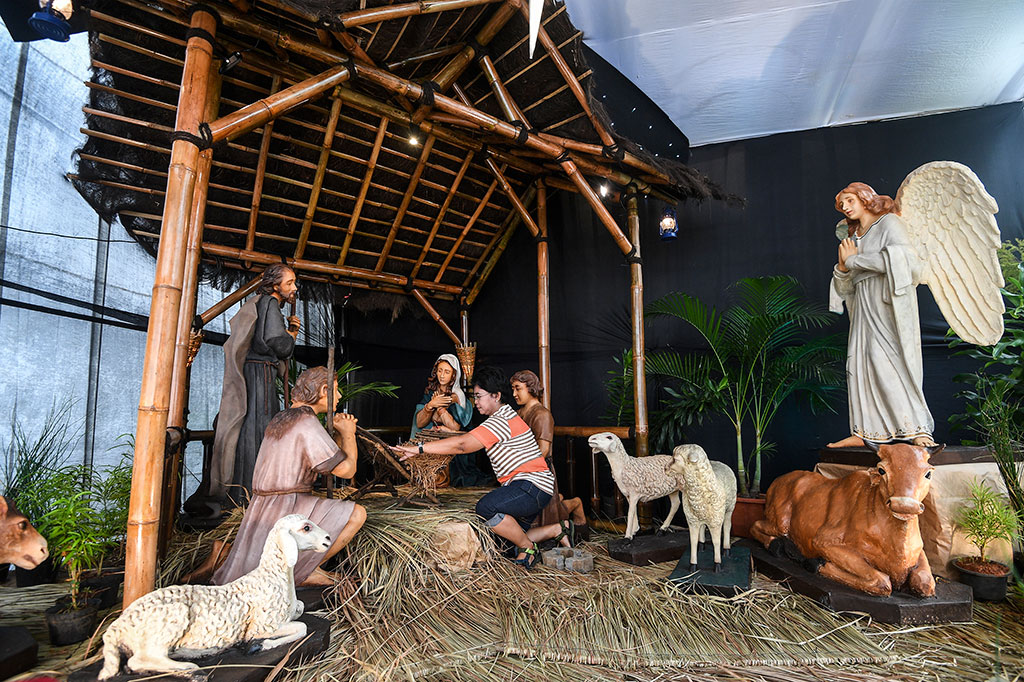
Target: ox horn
x: 872, y: 446
x: 935, y: 449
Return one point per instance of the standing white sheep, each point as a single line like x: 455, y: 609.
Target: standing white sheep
x: 709, y: 496
x: 641, y: 479
x: 193, y: 621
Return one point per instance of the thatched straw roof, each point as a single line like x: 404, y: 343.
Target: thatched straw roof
x: 337, y: 182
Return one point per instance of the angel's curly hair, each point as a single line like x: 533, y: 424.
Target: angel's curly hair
x: 879, y: 204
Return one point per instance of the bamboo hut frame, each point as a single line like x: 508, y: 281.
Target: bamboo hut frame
x: 339, y: 192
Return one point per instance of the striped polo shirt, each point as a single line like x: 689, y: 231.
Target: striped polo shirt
x: 511, y: 446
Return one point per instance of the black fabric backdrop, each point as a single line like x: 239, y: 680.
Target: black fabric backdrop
x: 787, y: 228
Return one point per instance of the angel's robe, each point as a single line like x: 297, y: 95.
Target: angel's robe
x: 883, y: 361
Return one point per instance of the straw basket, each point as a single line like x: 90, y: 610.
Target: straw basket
x: 467, y: 358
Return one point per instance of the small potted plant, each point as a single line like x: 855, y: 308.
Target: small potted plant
x: 984, y: 518
x: 76, y: 539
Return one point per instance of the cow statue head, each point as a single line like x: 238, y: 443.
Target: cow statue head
x: 904, y: 475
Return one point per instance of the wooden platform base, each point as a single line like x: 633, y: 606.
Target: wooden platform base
x: 952, y: 602
x: 644, y: 550
x: 19, y: 651
x: 234, y: 665
x: 733, y: 578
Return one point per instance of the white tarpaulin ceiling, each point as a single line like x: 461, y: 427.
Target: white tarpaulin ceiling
x: 733, y: 69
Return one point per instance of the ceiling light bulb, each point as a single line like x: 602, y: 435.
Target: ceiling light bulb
x: 604, y: 190
x: 414, y: 141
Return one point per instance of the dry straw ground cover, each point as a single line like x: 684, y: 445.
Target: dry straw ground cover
x: 497, y: 622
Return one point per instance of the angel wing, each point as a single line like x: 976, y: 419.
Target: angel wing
x: 951, y: 220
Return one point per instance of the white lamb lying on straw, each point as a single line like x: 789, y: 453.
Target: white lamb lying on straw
x: 192, y: 621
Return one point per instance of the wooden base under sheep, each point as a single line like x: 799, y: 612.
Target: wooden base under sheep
x: 641, y: 479
x: 709, y: 497
x: 192, y: 621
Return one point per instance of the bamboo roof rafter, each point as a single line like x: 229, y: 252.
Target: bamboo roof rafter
x: 314, y: 159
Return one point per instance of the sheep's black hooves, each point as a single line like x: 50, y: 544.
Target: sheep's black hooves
x: 777, y: 547
x: 693, y: 567
x: 718, y: 567
x: 659, y: 532
x: 725, y: 553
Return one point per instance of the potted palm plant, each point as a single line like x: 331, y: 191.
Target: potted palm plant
x: 986, y: 517
x: 75, y: 532
x: 758, y: 354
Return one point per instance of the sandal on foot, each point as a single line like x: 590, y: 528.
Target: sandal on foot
x: 568, y: 531
x: 531, y: 558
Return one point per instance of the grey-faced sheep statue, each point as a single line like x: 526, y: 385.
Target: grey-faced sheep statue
x: 641, y: 479
x: 192, y: 621
x: 709, y: 496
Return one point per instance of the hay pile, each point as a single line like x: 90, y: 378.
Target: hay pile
x: 498, y: 622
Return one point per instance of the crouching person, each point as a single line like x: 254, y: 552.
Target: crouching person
x: 295, y: 449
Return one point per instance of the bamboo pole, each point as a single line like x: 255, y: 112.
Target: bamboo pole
x: 410, y: 9
x: 154, y: 396
x: 404, y: 206
x: 436, y: 316
x: 177, y: 407
x: 252, y: 116
x: 502, y: 244
x: 234, y: 297
x: 318, y: 177
x: 637, y: 309
x: 441, y: 212
x: 332, y: 381
x: 543, y: 299
x: 426, y: 56
x: 508, y: 106
x: 510, y: 193
x: 465, y: 230
x: 464, y: 322
x: 261, y: 169
x: 328, y: 269
x: 371, y: 165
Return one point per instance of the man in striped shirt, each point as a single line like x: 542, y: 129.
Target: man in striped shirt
x: 526, y: 482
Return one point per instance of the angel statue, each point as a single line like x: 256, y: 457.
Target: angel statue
x: 940, y: 231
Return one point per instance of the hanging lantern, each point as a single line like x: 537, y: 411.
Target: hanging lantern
x: 52, y: 20
x: 668, y: 228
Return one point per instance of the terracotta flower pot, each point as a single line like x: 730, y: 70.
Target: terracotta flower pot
x: 986, y: 586
x: 747, y: 511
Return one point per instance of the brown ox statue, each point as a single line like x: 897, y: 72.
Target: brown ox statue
x: 863, y: 527
x: 20, y: 543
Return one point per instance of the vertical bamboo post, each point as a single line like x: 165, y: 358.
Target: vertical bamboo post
x: 637, y: 309
x: 332, y: 381
x: 154, y: 397
x: 543, y: 300
x: 464, y: 321
x: 178, y: 406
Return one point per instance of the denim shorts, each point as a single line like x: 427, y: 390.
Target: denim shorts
x: 519, y: 499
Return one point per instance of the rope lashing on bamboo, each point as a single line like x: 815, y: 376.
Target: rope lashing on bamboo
x: 350, y: 64
x: 212, y: 11
x: 524, y: 133
x: 408, y: 286
x: 541, y: 240
x: 204, y: 140
x: 563, y: 157
x: 632, y: 258
x: 426, y: 98
x: 613, y: 151
x: 205, y: 35
x: 479, y: 51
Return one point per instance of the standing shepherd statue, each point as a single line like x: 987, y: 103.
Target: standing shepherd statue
x: 255, y: 354
x: 940, y: 231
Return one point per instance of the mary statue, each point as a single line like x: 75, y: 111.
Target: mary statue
x: 939, y: 231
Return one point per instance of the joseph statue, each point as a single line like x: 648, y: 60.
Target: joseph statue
x: 255, y: 354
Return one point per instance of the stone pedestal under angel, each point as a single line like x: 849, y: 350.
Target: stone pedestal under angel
x: 940, y: 231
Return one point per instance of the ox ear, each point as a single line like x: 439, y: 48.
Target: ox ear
x: 935, y: 449
x: 870, y: 445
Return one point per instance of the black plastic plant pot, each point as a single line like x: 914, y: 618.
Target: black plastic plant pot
x: 5, y: 573
x: 986, y: 587
x: 43, y: 574
x: 103, y: 588
x: 69, y: 627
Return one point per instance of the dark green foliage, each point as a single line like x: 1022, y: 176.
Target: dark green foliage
x: 757, y: 355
